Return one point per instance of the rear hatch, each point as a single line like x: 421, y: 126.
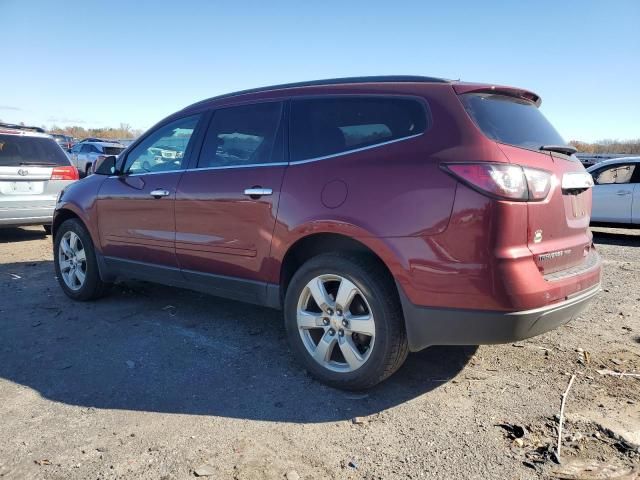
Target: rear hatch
x: 33, y: 169
x: 558, y: 226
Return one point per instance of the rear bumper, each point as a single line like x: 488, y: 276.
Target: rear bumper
x: 428, y: 326
x: 15, y: 217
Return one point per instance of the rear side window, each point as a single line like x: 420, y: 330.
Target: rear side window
x: 329, y: 126
x: 511, y: 120
x: 243, y: 135
x: 615, y: 174
x: 112, y: 150
x: 16, y: 150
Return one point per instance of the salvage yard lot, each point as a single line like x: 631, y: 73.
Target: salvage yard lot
x: 157, y: 382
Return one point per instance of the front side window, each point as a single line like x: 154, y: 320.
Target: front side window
x: 164, y: 149
x: 242, y: 136
x: 618, y: 174
x: 332, y: 125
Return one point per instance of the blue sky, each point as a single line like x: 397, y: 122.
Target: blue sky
x: 99, y: 63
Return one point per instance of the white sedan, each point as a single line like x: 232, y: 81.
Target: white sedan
x: 616, y: 193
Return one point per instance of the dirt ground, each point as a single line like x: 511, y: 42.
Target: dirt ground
x: 159, y: 383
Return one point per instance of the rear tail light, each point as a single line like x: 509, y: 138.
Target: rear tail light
x: 503, y: 180
x: 64, y: 173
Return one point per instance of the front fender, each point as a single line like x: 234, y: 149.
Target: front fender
x: 79, y: 198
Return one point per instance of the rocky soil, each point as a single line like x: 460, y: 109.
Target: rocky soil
x: 159, y: 383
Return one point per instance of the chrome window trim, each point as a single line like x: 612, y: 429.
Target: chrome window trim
x: 282, y: 164
x: 354, y: 150
x: 249, y: 165
x: 146, y: 173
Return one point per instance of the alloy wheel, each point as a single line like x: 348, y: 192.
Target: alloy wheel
x: 336, y: 323
x: 72, y: 260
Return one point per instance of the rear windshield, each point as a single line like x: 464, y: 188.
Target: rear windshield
x: 112, y: 150
x: 511, y: 120
x: 16, y: 150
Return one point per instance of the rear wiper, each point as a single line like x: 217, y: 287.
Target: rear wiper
x: 566, y: 149
x: 40, y: 164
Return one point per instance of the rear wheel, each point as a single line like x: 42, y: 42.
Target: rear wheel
x: 75, y: 262
x: 344, y: 321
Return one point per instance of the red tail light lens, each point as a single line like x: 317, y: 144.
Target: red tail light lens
x: 503, y: 180
x: 64, y: 173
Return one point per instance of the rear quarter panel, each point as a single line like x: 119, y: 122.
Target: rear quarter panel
x: 392, y: 191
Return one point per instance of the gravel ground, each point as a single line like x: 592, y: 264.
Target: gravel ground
x: 154, y: 382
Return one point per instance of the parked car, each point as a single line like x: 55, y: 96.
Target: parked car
x: 382, y: 214
x: 616, y: 193
x: 65, y: 141
x: 94, y: 139
x: 84, y: 154
x: 33, y: 171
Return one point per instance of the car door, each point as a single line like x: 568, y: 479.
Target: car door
x: 635, y: 204
x: 73, y: 154
x: 136, y: 208
x: 226, y: 204
x: 613, y: 193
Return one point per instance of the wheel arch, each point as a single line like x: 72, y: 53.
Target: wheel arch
x: 66, y: 213
x: 317, y: 243
x: 61, y: 216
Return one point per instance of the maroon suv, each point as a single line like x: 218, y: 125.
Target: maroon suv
x: 382, y: 214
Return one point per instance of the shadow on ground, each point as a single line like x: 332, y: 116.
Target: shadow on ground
x: 616, y: 236
x: 10, y: 235
x: 160, y: 349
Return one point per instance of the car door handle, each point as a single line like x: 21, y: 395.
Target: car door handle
x: 622, y: 193
x: 257, y: 192
x: 159, y: 193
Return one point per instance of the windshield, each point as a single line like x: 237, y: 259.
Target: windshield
x: 16, y: 150
x: 511, y: 120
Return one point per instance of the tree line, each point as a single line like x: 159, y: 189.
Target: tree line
x: 608, y: 146
x: 123, y: 131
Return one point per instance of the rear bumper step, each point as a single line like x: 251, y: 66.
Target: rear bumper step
x: 440, y: 326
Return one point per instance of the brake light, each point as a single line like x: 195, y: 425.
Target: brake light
x: 64, y: 173
x: 503, y: 180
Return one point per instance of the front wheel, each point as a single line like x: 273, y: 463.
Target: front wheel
x: 75, y: 262
x: 344, y: 321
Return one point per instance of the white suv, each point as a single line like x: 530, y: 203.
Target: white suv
x: 33, y: 171
x: 84, y: 154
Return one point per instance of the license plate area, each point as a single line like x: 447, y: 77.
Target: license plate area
x: 21, y: 188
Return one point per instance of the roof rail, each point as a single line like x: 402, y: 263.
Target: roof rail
x: 330, y: 81
x: 22, y: 127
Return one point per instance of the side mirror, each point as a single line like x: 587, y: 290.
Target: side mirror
x: 105, y: 165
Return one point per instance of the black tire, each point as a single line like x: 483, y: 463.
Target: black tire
x: 93, y: 287
x: 47, y: 229
x: 390, y: 349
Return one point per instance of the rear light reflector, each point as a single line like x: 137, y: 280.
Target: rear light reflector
x: 64, y: 173
x: 577, y: 181
x: 503, y: 180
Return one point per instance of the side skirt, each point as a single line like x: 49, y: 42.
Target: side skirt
x: 233, y: 288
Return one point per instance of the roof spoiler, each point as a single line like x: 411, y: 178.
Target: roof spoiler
x: 22, y: 127
x: 462, y: 88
